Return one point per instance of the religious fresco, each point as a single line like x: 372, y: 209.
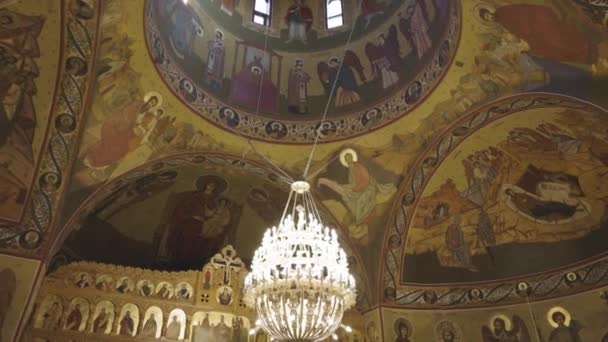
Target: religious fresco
x: 197, y: 319
x: 29, y: 54
x: 531, y: 46
x: 46, y: 72
x: 524, y: 186
x: 358, y: 187
x: 266, y: 91
x: 186, y: 220
x: 16, y: 283
x: 576, y: 318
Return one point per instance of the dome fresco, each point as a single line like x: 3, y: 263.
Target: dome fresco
x: 462, y: 157
x: 263, y: 87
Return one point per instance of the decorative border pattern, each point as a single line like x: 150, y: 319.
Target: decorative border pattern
x: 78, y: 40
x: 305, y: 131
x: 535, y: 287
x: 597, y: 10
x: 205, y: 161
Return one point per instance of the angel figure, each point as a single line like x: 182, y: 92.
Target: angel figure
x: 504, y: 329
x: 342, y: 78
x: 565, y: 329
x: 384, y: 57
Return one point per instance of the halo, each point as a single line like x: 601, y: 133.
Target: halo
x: 407, y: 324
x: 446, y: 325
x: 344, y: 153
x: 254, y: 68
x: 220, y: 184
x: 158, y: 96
x: 561, y: 310
x: 508, y: 323
x: 483, y: 5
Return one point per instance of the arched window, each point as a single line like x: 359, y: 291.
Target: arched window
x: 335, y: 14
x: 261, y: 12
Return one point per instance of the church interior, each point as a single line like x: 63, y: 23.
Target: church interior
x: 457, y: 148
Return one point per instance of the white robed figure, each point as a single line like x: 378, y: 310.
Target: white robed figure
x: 420, y: 31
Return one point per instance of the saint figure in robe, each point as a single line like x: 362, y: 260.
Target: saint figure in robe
x: 126, y: 325
x: 101, y: 322
x: 174, y: 329
x: 150, y: 327
x: 215, y: 61
x: 297, y: 89
x: 74, y: 319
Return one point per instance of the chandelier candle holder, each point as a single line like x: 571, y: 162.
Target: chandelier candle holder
x: 300, y: 285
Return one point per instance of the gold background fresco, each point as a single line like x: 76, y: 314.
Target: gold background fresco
x: 519, y: 105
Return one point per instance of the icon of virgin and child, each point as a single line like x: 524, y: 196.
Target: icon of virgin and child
x: 198, y: 222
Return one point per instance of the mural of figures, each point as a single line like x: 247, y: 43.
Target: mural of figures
x: 339, y: 74
x: 254, y: 86
x: 77, y: 315
x: 244, y: 68
x: 176, y: 325
x: 103, y: 318
x: 369, y: 10
x: 564, y: 327
x: 20, y: 122
x: 221, y: 327
x: 124, y: 285
x: 403, y: 330
x: 185, y: 27
x: 297, y: 93
x: 215, y: 61
x: 164, y: 290
x: 539, y: 26
x: 199, y: 221
x: 360, y: 194
x: 128, y: 320
x: 505, y: 329
x: 153, y: 323
x: 415, y: 28
x: 385, y: 58
x: 145, y: 288
x: 123, y: 131
x: 49, y: 313
x: 299, y: 20
x: 201, y: 327
x: 447, y: 331
x: 104, y: 282
x: 535, y: 189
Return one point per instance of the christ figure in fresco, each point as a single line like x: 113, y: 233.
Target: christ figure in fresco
x: 358, y: 194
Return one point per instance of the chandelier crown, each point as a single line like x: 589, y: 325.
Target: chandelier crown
x: 300, y: 284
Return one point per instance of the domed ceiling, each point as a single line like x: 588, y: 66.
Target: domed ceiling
x: 463, y: 151
x: 256, y: 80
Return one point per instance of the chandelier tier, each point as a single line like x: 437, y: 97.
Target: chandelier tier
x: 300, y: 284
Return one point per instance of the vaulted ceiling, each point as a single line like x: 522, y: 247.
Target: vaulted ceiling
x: 456, y: 145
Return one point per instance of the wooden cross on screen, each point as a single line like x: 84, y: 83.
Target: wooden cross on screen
x: 228, y: 262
